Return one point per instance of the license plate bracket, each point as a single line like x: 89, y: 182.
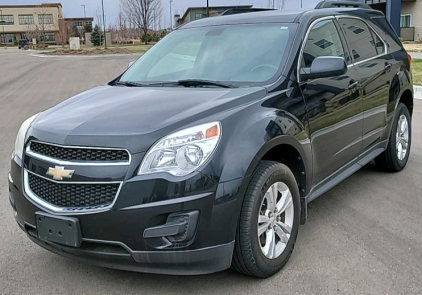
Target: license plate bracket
x: 61, y: 230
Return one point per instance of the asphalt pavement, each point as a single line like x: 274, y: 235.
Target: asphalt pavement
x: 362, y: 237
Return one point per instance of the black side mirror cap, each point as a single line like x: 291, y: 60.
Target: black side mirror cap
x: 324, y: 67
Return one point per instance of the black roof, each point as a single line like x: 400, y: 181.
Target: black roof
x: 278, y: 16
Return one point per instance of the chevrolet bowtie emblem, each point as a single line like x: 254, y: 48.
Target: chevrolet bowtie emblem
x: 59, y: 173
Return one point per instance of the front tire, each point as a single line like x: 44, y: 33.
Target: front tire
x: 269, y: 221
x: 395, y: 157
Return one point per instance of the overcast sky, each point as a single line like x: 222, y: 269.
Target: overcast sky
x: 73, y: 8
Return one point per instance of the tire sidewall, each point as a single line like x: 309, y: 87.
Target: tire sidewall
x: 279, y: 173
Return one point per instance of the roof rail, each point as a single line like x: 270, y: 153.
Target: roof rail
x: 243, y: 10
x: 341, y: 4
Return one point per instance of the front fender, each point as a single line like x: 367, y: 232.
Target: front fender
x: 248, y: 134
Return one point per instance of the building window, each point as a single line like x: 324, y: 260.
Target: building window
x: 7, y: 20
x: 46, y: 19
x: 48, y: 37
x: 7, y: 38
x: 198, y: 15
x: 77, y: 24
x: 26, y: 19
x: 405, y: 21
x: 88, y: 23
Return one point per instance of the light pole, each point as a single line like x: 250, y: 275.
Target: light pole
x: 83, y: 25
x: 208, y: 8
x: 84, y: 11
x: 171, y: 19
x: 104, y: 25
x: 301, y: 3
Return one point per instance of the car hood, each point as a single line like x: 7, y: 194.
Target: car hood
x: 134, y: 117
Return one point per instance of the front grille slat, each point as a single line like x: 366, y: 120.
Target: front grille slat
x: 79, y: 154
x: 73, y: 195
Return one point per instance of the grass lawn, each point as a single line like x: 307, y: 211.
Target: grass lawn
x: 138, y: 48
x: 417, y: 71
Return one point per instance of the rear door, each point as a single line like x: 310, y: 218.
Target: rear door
x: 374, y: 65
x: 334, y: 105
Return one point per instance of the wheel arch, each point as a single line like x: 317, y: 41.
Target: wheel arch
x: 407, y: 99
x: 289, y: 151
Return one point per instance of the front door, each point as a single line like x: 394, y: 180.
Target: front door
x: 334, y: 104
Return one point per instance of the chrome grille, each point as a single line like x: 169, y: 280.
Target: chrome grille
x: 79, y: 154
x: 73, y: 195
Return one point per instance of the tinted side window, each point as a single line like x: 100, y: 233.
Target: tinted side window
x: 323, y: 40
x: 360, y: 38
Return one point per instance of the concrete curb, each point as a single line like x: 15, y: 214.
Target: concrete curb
x: 417, y: 92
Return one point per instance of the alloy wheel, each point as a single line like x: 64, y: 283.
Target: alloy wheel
x: 402, y: 137
x: 275, y: 220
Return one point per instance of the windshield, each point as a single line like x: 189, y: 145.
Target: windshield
x: 236, y: 54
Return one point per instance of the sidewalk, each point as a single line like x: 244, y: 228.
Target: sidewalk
x: 417, y: 92
x: 416, y: 55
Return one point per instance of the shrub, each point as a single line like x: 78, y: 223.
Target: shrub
x: 97, y: 36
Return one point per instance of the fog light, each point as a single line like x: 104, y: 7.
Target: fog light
x: 179, y: 228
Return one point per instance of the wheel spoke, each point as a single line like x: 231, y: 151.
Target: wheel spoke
x: 273, y: 246
x: 263, y: 219
x: 284, y: 237
x: 287, y: 203
x: 274, y: 195
x: 404, y: 126
x: 399, y: 151
x: 262, y: 228
x: 404, y: 144
x: 271, y: 196
x: 268, y: 242
x: 282, y: 227
x: 281, y: 203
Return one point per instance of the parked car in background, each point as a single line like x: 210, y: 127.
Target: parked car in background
x: 22, y: 43
x: 205, y: 153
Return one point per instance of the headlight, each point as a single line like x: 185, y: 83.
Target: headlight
x: 20, y: 139
x: 182, y: 152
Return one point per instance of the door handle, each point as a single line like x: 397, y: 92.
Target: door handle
x: 353, y: 84
x: 387, y: 67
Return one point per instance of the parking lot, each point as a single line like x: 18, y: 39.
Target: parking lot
x: 362, y: 237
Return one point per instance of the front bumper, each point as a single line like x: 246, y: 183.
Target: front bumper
x: 115, y: 238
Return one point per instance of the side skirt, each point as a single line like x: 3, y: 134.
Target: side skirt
x: 346, y: 171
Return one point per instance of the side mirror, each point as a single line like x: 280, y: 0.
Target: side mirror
x: 130, y: 64
x: 324, y: 67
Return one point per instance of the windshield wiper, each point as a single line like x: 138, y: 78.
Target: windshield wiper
x: 195, y: 83
x: 129, y: 84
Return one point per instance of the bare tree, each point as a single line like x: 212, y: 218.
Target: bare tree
x: 46, y: 23
x: 142, y: 13
x: 276, y: 4
x: 99, y: 17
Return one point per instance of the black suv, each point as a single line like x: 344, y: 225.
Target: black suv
x: 205, y: 153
